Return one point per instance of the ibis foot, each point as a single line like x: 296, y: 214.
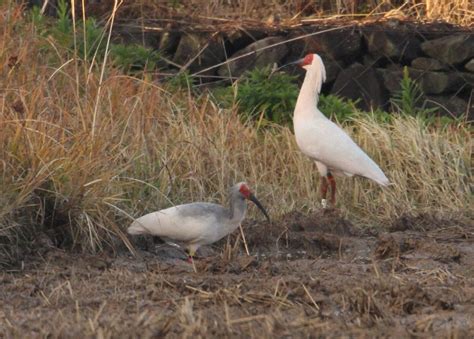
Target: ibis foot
x: 327, y: 205
x: 191, y: 261
x: 191, y: 252
x: 324, y: 203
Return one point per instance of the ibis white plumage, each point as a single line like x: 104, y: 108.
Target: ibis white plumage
x: 200, y: 223
x: 333, y: 151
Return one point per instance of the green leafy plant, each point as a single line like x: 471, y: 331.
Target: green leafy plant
x: 88, y: 35
x: 134, y: 57
x: 179, y: 82
x: 409, y: 99
x: 63, y: 24
x: 262, y: 91
x: 223, y: 96
x: 62, y: 30
x: 90, y: 42
x: 93, y: 44
x: 381, y: 115
x: 337, y: 108
x: 37, y: 18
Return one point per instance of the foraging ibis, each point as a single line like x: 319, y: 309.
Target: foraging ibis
x: 200, y: 223
x: 333, y: 151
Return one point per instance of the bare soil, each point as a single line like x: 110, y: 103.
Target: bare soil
x: 307, y: 275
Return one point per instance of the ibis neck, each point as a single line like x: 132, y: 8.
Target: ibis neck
x: 309, y: 94
x: 238, y: 207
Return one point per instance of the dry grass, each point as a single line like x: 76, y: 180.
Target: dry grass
x: 84, y: 151
x: 460, y: 11
x: 294, y: 11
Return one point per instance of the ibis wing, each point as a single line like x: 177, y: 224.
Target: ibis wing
x: 186, y: 223
x: 326, y: 142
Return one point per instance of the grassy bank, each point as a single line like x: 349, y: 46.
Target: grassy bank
x: 85, y: 148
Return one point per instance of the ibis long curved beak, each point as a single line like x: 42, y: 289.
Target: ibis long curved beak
x: 259, y: 205
x: 296, y: 62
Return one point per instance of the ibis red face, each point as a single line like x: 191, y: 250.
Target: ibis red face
x: 307, y: 60
x: 245, y: 191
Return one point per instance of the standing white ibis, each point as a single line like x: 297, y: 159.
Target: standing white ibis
x: 200, y: 223
x: 333, y: 151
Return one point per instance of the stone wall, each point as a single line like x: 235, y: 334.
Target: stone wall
x: 363, y: 62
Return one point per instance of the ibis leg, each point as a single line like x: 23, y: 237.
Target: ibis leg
x: 191, y: 253
x: 324, y: 191
x: 332, y: 183
x: 324, y: 187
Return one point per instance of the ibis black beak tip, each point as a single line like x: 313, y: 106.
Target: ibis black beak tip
x: 259, y: 205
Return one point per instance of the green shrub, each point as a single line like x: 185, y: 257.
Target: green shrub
x: 180, y: 81
x: 223, y: 96
x: 89, y: 35
x: 90, y: 41
x: 94, y: 42
x: 381, y: 115
x: 134, y: 57
x: 61, y: 30
x: 337, y: 108
x: 409, y: 99
x: 37, y: 19
x: 261, y: 91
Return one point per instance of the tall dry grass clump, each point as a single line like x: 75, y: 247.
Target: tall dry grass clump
x: 457, y: 11
x: 77, y: 166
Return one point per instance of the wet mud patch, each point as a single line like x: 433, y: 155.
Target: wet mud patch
x: 296, y: 235
x: 412, y: 246
x: 306, y: 275
x: 423, y: 222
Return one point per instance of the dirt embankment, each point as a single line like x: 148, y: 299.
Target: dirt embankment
x: 314, y: 274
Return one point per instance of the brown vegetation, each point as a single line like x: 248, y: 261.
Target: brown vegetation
x: 291, y: 12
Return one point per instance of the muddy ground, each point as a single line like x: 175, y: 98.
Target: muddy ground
x: 307, y: 275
